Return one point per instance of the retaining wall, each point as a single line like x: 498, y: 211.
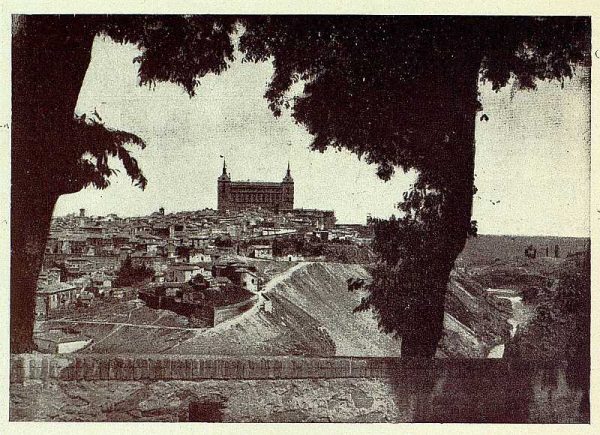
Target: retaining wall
x: 294, y: 389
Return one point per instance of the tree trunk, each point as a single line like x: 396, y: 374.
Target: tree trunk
x: 31, y: 213
x: 50, y: 56
x: 457, y: 186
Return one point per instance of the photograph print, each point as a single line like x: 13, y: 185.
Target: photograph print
x: 300, y: 218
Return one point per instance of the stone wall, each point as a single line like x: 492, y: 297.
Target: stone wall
x: 293, y: 389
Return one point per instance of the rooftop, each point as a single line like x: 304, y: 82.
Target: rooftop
x: 185, y: 267
x: 256, y: 183
x: 56, y: 288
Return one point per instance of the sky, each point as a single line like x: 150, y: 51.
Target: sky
x: 532, y: 155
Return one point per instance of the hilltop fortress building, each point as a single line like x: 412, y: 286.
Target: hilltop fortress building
x: 247, y: 195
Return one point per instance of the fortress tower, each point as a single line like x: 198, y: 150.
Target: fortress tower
x: 287, y: 190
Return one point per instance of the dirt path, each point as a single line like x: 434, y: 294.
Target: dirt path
x: 232, y: 330
x: 113, y: 332
x: 278, y: 279
x: 274, y: 282
x: 136, y: 325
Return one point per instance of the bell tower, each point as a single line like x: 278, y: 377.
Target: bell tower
x: 223, y: 188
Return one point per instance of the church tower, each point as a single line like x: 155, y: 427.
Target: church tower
x: 223, y: 188
x: 287, y: 200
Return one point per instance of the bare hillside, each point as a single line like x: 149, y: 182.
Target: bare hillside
x: 312, y: 314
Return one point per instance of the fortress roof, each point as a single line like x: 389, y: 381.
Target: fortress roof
x: 256, y: 183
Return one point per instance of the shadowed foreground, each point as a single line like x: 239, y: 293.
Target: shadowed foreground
x: 294, y: 389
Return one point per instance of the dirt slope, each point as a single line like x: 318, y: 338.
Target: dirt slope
x: 321, y: 290
x: 312, y: 314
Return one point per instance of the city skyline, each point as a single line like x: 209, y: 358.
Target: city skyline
x: 547, y: 128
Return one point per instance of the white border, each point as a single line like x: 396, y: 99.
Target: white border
x: 448, y: 7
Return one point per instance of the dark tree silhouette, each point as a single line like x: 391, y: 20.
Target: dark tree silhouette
x: 50, y: 56
x: 560, y: 328
x: 403, y: 92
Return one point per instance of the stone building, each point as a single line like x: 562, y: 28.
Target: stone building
x: 319, y: 219
x: 235, y: 196
x: 54, y: 296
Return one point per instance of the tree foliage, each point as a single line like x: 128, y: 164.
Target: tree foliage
x: 102, y: 142
x: 383, y: 87
x: 223, y: 242
x: 177, y: 49
x: 560, y: 328
x: 130, y: 275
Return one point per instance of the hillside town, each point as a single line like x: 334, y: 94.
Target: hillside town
x: 206, y: 265
x: 85, y: 253
x: 200, y: 267
x: 191, y: 262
